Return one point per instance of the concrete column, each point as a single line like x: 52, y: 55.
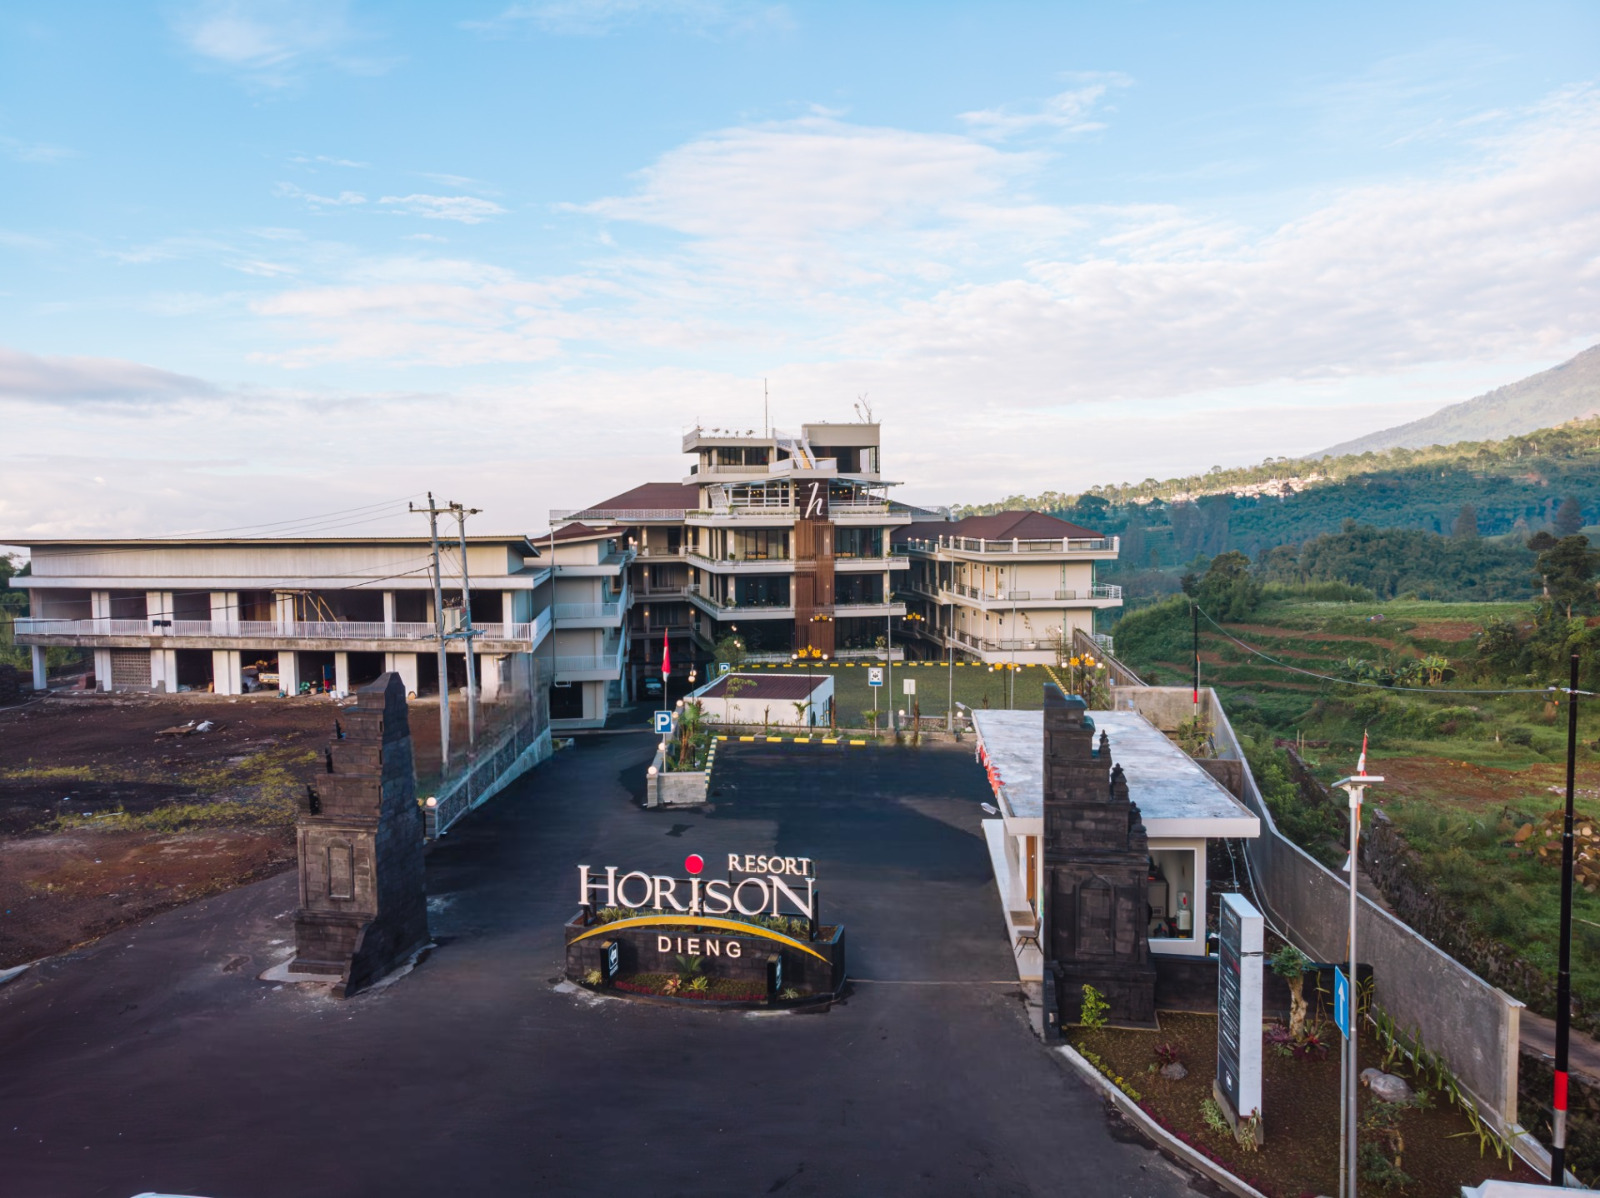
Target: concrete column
x: 508, y: 609
x: 164, y: 670
x: 388, y: 613
x: 488, y: 677
x: 100, y: 609
x: 102, y: 669
x: 404, y: 664
x: 225, y: 612
x: 288, y: 672
x: 341, y: 674
x: 283, y: 607
x: 225, y: 672
x: 40, y: 674
x: 158, y: 606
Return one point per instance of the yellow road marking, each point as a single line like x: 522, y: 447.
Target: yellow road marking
x: 699, y: 921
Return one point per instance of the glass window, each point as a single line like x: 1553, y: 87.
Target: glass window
x: 1171, y: 895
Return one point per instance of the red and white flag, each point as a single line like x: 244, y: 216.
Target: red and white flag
x: 1361, y: 766
x: 666, y: 657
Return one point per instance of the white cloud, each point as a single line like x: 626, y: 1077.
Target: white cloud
x: 594, y: 18
x: 325, y: 160
x: 467, y: 210
x: 344, y: 199
x: 61, y: 380
x: 1063, y: 114
x: 813, y: 177
x: 269, y: 43
x: 30, y: 151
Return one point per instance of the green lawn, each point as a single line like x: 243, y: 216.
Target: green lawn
x: 975, y: 685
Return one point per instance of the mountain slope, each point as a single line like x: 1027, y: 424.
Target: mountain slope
x: 1570, y: 391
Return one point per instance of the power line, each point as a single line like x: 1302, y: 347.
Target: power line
x: 1423, y: 690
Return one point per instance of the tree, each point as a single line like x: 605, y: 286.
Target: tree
x: 1569, y: 517
x: 1466, y: 526
x: 1228, y: 591
x: 1567, y: 569
x: 730, y: 649
x: 1290, y: 964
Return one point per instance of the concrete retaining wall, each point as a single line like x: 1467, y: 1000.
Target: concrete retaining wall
x: 1472, y: 1024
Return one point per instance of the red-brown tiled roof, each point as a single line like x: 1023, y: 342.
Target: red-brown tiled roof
x: 769, y: 686
x: 1001, y: 526
x: 651, y: 497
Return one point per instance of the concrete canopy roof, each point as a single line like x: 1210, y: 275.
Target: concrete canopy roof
x: 1176, y: 797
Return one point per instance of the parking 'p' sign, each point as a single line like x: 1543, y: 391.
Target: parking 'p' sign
x: 874, y: 675
x: 663, y: 722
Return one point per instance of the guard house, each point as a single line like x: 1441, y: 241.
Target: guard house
x: 1180, y: 806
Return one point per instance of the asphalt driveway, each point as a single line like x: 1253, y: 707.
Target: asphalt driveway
x: 156, y: 1060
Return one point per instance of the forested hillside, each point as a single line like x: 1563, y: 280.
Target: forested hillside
x: 1468, y: 510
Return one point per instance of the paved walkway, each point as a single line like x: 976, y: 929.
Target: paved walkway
x: 155, y: 1059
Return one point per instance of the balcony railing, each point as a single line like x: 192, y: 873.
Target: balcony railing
x: 1098, y: 591
x: 590, y: 611
x: 1014, y: 545
x: 657, y: 552
x: 724, y: 604
x: 611, y: 660
x: 325, y: 630
x: 747, y: 512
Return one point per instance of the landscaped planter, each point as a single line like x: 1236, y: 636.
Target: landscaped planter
x: 736, y: 958
x: 678, y: 788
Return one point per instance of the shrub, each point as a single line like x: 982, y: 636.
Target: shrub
x: 1094, y: 1009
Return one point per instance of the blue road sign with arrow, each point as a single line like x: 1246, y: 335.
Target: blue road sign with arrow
x: 1341, y: 1002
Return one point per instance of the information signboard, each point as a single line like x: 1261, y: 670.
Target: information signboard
x: 908, y: 686
x: 874, y: 675
x: 1239, y: 1004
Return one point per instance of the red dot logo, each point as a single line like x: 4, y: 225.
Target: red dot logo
x: 694, y: 863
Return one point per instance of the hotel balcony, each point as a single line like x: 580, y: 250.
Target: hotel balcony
x: 608, y: 614
x: 1099, y: 595
x: 359, y: 635
x: 601, y: 667
x: 725, y: 609
x: 973, y: 548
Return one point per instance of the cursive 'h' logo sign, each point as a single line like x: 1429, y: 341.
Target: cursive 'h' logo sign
x: 816, y: 501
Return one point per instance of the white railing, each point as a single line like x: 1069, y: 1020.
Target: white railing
x: 976, y: 545
x: 590, y: 611
x: 731, y: 605
x: 579, y: 663
x: 616, y: 514
x: 1098, y: 591
x: 329, y: 630
x: 657, y: 552
x: 854, y: 508
x: 745, y: 512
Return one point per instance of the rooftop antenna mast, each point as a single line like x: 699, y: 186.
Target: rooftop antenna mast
x: 766, y: 411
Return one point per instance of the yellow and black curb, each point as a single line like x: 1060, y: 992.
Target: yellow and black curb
x: 799, y: 740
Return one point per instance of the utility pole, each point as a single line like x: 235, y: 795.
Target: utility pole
x: 1194, y: 615
x: 888, y: 663
x: 467, y: 632
x: 433, y: 513
x: 950, y: 701
x: 1558, y: 1137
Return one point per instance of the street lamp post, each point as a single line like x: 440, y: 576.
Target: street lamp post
x: 1355, y: 787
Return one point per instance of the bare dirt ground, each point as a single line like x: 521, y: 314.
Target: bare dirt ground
x: 103, y: 821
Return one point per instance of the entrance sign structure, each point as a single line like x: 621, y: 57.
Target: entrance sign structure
x: 758, y: 923
x: 1238, y: 1080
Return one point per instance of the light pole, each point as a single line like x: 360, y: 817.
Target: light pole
x: 1355, y: 787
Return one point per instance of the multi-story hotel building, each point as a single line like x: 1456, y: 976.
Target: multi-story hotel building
x: 786, y: 542
x: 1012, y: 586
x: 284, y: 613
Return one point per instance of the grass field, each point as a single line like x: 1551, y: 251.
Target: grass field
x: 1464, y: 770
x: 975, y: 684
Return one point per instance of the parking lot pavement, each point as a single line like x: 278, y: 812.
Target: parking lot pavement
x: 155, y: 1059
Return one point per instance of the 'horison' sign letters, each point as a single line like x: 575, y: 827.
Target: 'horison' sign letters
x: 656, y: 920
x: 757, y: 885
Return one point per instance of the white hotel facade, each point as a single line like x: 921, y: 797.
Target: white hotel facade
x: 787, y: 542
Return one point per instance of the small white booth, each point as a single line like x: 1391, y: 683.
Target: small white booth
x: 767, y: 699
x: 1182, y: 806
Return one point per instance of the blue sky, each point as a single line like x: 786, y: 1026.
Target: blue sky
x: 265, y: 259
